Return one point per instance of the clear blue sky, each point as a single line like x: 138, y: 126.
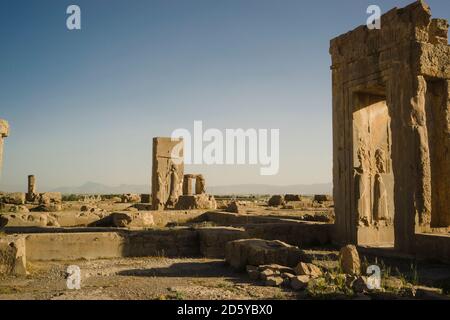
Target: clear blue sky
x: 84, y: 105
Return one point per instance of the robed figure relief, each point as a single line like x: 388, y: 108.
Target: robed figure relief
x: 380, y: 195
x: 362, y: 187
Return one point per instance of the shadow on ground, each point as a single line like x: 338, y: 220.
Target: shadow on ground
x: 186, y: 269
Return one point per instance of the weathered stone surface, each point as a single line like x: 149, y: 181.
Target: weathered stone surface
x: 278, y: 269
x: 91, y: 209
x: 12, y: 255
x: 176, y: 242
x: 235, y: 207
x: 167, y: 172
x: 17, y: 198
x: 241, y: 253
x: 139, y: 219
x: 18, y: 209
x: 265, y: 274
x: 26, y: 219
x: 130, y: 198
x: 308, y: 269
x: 214, y: 239
x: 198, y: 201
x: 390, y: 132
x: 200, y: 184
x: 274, y: 281
x: 47, y: 198
x: 276, y: 201
x: 349, y: 260
x: 300, y: 282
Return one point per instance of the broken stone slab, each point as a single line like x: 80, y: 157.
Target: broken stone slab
x: 130, y: 198
x: 308, y: 269
x: 349, y: 260
x: 274, y: 281
x: 287, y: 277
x: 214, y: 239
x: 92, y: 209
x: 276, y: 268
x: 79, y: 219
x: 300, y: 282
x: 31, y: 219
x: 265, y: 274
x: 276, y: 201
x: 198, y: 201
x: 13, y: 256
x: 241, y: 253
x: 139, y: 219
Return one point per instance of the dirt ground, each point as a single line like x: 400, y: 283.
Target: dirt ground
x: 139, y: 279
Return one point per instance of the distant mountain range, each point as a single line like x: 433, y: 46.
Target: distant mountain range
x: 98, y: 188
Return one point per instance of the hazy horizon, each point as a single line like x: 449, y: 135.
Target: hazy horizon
x: 85, y: 105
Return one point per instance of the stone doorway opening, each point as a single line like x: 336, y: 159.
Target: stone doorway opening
x: 373, y: 178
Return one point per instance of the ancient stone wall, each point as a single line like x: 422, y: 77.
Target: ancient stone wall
x: 391, y: 128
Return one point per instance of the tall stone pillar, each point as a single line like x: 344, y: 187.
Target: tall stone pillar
x: 200, y: 184
x: 31, y: 188
x: 4, y: 132
x: 187, y: 185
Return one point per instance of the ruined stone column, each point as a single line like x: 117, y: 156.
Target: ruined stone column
x: 31, y: 188
x: 200, y: 184
x: 4, y: 132
x: 187, y: 185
